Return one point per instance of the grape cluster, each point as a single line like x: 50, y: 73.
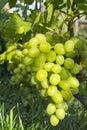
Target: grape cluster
x: 52, y: 69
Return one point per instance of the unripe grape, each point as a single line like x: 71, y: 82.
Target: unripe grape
x: 54, y: 79
x: 40, y: 60
x: 67, y: 95
x: 33, y: 52
x: 60, y: 113
x: 27, y: 60
x: 45, y: 47
x: 75, y: 69
x: 74, y: 90
x: 64, y: 84
x: 65, y: 73
x: 49, y: 37
x: 21, y: 66
x: 59, y: 49
x: 48, y: 66
x: 57, y: 98
x: 62, y: 105
x: 60, y: 59
x: 18, y: 53
x: 74, y: 83
x: 52, y: 90
x: 69, y: 46
x: 41, y: 75
x: 56, y: 68
x: 16, y: 70
x: 76, y: 42
x: 43, y: 93
x: 25, y: 51
x: 45, y: 83
x: 33, y: 42
x: 54, y: 120
x: 51, y: 56
x: 41, y: 38
x: 51, y: 108
x: 68, y: 63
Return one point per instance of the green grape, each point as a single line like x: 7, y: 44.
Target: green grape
x: 45, y: 83
x: 34, y: 81
x: 59, y: 49
x: 75, y: 69
x: 27, y: 60
x: 54, y: 120
x: 69, y: 46
x: 74, y: 90
x: 28, y: 68
x: 51, y: 56
x: 48, y: 66
x: 74, y: 83
x: 60, y: 113
x: 21, y: 66
x: 24, y: 72
x: 62, y: 105
x: 33, y: 42
x: 71, y: 54
x: 18, y: 78
x: 57, y: 98
x: 49, y: 37
x: 16, y: 70
x: 25, y: 51
x: 51, y: 108
x: 45, y: 47
x: 56, y: 68
x: 77, y: 42
x: 41, y: 75
x: 60, y: 59
x: 41, y: 38
x: 33, y: 52
x: 43, y: 93
x: 13, y: 78
x: 18, y: 53
x: 52, y: 90
x: 64, y: 84
x: 67, y: 95
x: 65, y: 73
x: 54, y: 79
x: 40, y: 60
x: 68, y: 63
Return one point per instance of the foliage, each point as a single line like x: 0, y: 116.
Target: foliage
x: 55, y: 20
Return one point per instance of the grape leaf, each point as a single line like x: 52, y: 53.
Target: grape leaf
x: 49, y: 12
x: 2, y: 57
x: 12, y: 3
x: 15, y: 27
x: 37, y: 18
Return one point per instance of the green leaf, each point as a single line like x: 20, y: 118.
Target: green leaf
x: 12, y: 3
x: 37, y: 18
x: 2, y: 57
x: 15, y: 26
x: 28, y: 1
x: 82, y: 6
x: 11, y: 47
x: 49, y: 12
x: 2, y: 3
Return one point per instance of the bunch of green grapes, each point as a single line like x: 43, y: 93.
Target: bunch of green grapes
x: 52, y: 69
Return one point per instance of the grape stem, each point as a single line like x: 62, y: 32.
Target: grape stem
x: 82, y: 99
